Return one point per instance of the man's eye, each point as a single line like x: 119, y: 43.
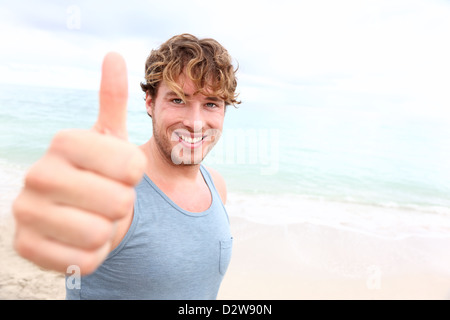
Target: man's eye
x: 211, y: 105
x: 177, y: 101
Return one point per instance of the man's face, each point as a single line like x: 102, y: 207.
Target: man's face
x: 185, y: 131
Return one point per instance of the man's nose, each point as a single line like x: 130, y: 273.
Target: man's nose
x: 193, y: 119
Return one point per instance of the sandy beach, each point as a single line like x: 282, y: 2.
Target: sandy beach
x: 305, y: 261
x: 22, y: 280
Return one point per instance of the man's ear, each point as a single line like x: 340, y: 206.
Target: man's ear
x: 148, y: 104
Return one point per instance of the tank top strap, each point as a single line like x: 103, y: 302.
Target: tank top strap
x: 209, y: 181
x: 216, y: 198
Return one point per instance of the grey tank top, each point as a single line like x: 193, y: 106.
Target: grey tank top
x: 167, y: 253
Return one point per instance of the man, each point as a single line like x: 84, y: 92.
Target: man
x: 144, y: 222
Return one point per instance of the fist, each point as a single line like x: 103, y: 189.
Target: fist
x: 77, y: 193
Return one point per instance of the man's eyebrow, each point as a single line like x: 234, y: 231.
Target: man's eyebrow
x: 217, y: 99
x: 173, y: 94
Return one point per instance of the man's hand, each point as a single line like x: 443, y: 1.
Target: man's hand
x: 74, y: 195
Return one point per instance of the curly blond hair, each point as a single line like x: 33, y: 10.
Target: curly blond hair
x: 205, y: 61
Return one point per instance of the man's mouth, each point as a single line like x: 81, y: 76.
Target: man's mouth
x: 191, y: 140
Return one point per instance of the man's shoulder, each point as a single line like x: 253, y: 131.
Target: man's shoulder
x: 219, y: 183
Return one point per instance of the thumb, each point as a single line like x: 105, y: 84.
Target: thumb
x: 112, y: 118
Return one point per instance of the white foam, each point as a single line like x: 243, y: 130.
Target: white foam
x: 391, y: 222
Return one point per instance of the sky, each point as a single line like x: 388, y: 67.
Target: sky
x: 375, y: 53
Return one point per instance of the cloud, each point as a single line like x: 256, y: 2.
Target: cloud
x: 296, y: 52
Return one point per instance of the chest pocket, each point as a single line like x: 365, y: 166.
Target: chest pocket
x: 225, y: 255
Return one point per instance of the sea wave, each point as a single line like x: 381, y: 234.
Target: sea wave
x: 382, y: 220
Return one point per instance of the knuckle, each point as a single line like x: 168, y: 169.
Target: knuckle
x: 90, y: 260
x: 42, y: 175
x: 88, y: 263
x: 17, y: 206
x: 60, y: 140
x: 25, y: 210
x: 100, y: 236
x: 21, y: 211
x: 123, y: 203
x: 24, y: 247
x: 36, y: 177
x: 135, y: 167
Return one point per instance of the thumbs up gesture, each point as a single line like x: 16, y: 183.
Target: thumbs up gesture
x: 77, y: 194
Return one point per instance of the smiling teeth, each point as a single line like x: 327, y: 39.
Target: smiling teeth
x: 191, y: 140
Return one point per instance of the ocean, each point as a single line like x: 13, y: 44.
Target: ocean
x: 379, y: 170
